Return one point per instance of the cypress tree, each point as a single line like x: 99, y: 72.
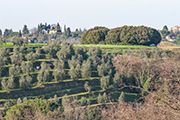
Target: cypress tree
x: 0, y: 32
x: 58, y: 28
x: 25, y: 30
x: 19, y: 35
x: 65, y: 31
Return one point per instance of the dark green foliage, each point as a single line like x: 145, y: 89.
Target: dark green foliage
x: 58, y: 28
x: 68, y: 32
x: 0, y: 32
x: 178, y: 40
x: 122, y: 35
x: 19, y: 34
x: 25, y: 30
x: 30, y: 108
x: 65, y: 31
x: 7, y: 32
x: 13, y: 34
x: 94, y: 36
x: 133, y: 35
x: 164, y: 31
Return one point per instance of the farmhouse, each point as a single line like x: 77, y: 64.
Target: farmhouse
x: 171, y: 37
x: 52, y: 31
x: 175, y: 29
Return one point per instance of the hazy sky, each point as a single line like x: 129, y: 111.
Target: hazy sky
x: 89, y: 13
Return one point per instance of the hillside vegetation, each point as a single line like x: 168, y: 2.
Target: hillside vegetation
x: 126, y: 35
x: 83, y: 82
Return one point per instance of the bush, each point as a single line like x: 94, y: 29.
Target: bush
x: 29, y: 108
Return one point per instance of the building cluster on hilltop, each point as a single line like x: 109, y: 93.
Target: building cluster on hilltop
x: 172, y: 35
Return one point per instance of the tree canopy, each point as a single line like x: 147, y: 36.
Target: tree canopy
x: 94, y: 36
x: 140, y: 35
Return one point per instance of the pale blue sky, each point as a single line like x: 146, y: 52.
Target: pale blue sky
x: 89, y: 13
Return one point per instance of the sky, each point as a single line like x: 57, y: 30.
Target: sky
x: 14, y: 14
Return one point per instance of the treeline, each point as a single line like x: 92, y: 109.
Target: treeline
x: 125, y: 35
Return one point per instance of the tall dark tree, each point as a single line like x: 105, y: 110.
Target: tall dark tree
x: 39, y: 29
x: 65, y: 31
x: 25, y: 30
x: 58, y: 28
x: 7, y: 32
x: 0, y: 32
x: 164, y: 32
x: 68, y: 32
x: 19, y: 35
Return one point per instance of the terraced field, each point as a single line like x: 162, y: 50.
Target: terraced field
x: 66, y: 86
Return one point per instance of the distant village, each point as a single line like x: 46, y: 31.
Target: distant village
x: 44, y: 33
x: 174, y: 33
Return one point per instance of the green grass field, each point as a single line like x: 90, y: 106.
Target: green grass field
x: 9, y: 44
x: 115, y: 46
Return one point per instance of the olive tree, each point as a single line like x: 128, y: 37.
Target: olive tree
x: 59, y: 74
x: 43, y: 76
x: 25, y: 82
x: 86, y: 69
x: 16, y: 58
x: 104, y: 82
x: 14, y: 70
x: 32, y: 56
x: 74, y: 72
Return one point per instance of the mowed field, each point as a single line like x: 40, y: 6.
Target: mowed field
x: 9, y: 44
